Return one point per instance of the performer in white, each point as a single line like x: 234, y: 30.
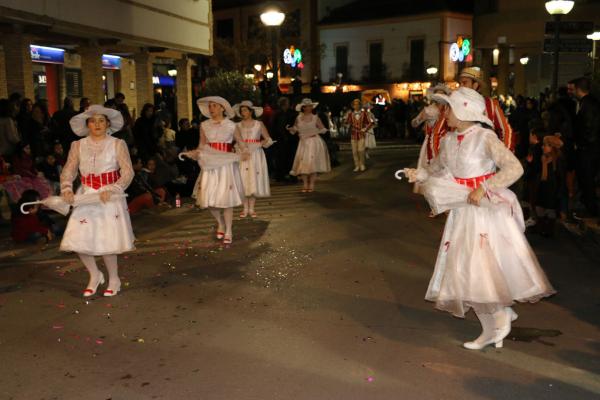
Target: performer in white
x: 370, y: 142
x: 101, y: 229
x: 219, y: 187
x: 255, y: 175
x: 312, y: 157
x: 484, y: 261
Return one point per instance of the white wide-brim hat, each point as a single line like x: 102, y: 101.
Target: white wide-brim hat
x: 79, y: 122
x: 466, y: 104
x: 247, y: 103
x: 204, y: 101
x: 306, y: 102
x: 440, y: 87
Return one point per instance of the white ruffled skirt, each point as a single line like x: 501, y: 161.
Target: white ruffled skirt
x: 255, y: 174
x: 484, y: 261
x: 311, y: 157
x: 219, y: 184
x: 99, y: 229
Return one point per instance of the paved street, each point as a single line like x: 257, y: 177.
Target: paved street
x: 321, y: 297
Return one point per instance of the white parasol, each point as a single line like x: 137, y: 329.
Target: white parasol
x: 57, y: 203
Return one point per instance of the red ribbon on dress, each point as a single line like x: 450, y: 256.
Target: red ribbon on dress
x: 251, y: 140
x: 98, y: 181
x: 226, y: 147
x: 473, y: 183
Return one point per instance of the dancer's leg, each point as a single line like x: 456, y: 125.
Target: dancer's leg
x: 312, y: 179
x: 246, y: 203
x: 251, y: 204
x: 96, y: 277
x: 304, y: 182
x: 114, y: 282
x: 354, y: 144
x: 361, y: 154
x: 228, y: 217
x: 216, y: 213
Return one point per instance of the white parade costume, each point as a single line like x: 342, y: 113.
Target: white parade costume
x: 101, y: 228
x: 312, y: 156
x: 484, y: 261
x: 220, y: 183
x: 254, y: 171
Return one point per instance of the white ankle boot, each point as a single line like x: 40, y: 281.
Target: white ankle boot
x: 488, y: 334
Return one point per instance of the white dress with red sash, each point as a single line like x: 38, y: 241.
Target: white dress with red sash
x: 220, y: 183
x: 101, y: 228
x: 484, y: 260
x: 254, y: 171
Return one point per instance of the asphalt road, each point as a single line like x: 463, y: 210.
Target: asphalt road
x: 321, y: 297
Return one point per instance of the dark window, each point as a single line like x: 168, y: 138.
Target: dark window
x: 73, y: 81
x: 417, y: 59
x: 486, y: 7
x: 225, y: 28
x: 376, y: 60
x: 341, y: 60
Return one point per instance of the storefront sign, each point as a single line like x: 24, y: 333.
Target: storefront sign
x: 461, y: 50
x: 163, y: 81
x: 43, y: 54
x: 293, y: 57
x: 111, y: 62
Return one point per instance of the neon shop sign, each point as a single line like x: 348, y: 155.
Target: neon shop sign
x: 293, y: 57
x: 461, y: 50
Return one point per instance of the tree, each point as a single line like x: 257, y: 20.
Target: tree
x: 231, y: 85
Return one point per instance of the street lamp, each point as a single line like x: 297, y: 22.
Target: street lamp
x: 595, y: 37
x: 557, y: 8
x: 431, y: 72
x: 273, y: 17
x: 524, y: 60
x: 258, y: 67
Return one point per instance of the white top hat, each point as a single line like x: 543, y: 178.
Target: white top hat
x: 467, y: 105
x: 306, y: 102
x: 247, y: 103
x: 79, y: 122
x: 440, y: 87
x: 204, y: 101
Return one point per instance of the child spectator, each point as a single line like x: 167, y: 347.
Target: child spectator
x: 51, y: 172
x: 35, y: 227
x: 532, y: 173
x: 140, y: 193
x: 29, y: 177
x: 552, y: 184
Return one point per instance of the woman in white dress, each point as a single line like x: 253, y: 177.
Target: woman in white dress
x: 219, y: 187
x: 484, y: 261
x: 255, y: 175
x: 101, y: 229
x: 312, y: 157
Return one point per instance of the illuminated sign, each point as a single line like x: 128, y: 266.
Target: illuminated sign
x: 163, y: 81
x: 43, y: 54
x: 42, y: 79
x: 293, y: 57
x: 111, y: 62
x: 461, y: 50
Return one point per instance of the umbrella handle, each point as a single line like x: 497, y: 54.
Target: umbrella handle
x: 31, y: 203
x: 399, y: 174
x: 181, y: 156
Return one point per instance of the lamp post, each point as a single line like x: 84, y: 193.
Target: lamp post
x: 273, y: 17
x: 557, y: 8
x: 595, y: 37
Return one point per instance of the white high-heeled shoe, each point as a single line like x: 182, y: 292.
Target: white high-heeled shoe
x: 112, y: 292
x: 504, y: 325
x: 90, y: 291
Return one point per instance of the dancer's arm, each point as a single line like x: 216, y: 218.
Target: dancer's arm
x: 294, y: 128
x: 510, y: 169
x: 69, y: 173
x: 127, y: 173
x: 243, y: 146
x: 320, y: 127
x: 267, y: 141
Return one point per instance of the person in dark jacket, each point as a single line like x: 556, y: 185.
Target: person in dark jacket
x: 146, y: 133
x: 587, y: 144
x: 284, y: 150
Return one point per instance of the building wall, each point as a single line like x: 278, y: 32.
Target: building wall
x: 3, y: 88
x: 395, y: 35
x: 184, y: 25
x: 521, y: 25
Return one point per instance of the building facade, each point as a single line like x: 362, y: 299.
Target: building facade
x: 506, y: 31
x: 53, y: 49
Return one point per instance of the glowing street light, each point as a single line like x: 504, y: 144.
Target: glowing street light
x: 524, y: 60
x: 258, y: 67
x: 273, y: 17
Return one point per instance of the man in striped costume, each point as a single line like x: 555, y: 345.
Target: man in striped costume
x: 472, y: 78
x: 359, y: 123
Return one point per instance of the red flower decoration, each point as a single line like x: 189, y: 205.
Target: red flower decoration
x: 83, y: 221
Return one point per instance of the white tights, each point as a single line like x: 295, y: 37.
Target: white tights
x: 112, y: 266
x: 223, y: 219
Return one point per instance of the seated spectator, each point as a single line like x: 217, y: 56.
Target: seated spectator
x: 58, y: 152
x: 188, y: 137
x: 159, y: 175
x: 27, y: 176
x: 167, y: 140
x: 35, y: 227
x: 140, y: 193
x: 51, y: 172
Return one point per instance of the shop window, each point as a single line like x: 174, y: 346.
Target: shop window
x: 225, y: 28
